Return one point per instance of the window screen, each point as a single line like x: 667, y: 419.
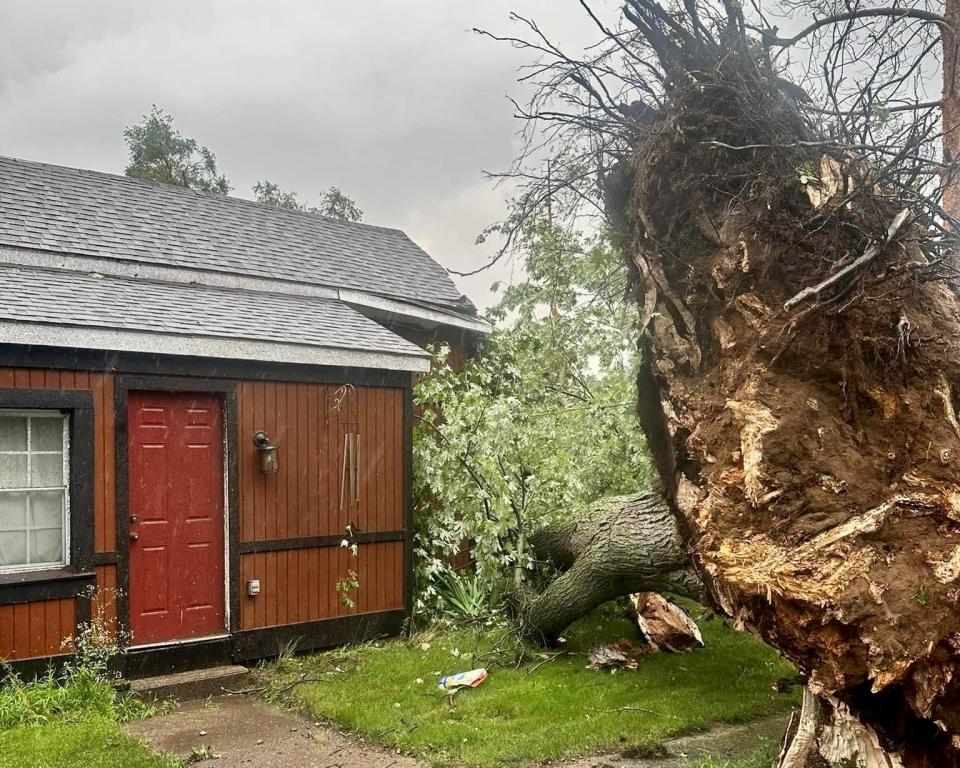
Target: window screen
x: 34, y: 478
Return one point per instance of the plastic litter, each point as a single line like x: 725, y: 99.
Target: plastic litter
x: 470, y: 679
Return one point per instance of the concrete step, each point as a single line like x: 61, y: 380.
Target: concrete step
x: 196, y: 684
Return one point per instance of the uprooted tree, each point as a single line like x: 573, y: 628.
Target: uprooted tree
x: 618, y: 546
x: 793, y: 264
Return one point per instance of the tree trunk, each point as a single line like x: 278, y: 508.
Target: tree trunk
x: 951, y: 105
x: 617, y: 547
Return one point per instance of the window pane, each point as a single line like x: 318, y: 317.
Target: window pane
x: 13, y: 471
x: 46, y: 545
x: 47, y: 434
x: 47, y: 470
x: 13, y: 511
x: 13, y: 548
x: 46, y: 510
x: 13, y: 433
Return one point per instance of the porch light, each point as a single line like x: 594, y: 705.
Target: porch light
x: 269, y: 460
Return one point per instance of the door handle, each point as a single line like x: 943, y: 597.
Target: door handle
x: 134, y: 536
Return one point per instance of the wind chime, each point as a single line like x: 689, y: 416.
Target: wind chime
x: 344, y: 402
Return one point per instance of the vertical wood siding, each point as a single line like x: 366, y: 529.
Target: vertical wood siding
x: 309, y: 422
x: 298, y: 585
x: 31, y: 630
x: 105, y: 601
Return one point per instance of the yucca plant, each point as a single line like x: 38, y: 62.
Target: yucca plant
x: 464, y: 597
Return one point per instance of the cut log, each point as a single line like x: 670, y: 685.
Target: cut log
x: 616, y: 547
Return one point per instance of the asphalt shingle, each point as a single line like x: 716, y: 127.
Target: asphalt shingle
x: 87, y: 213
x: 48, y: 296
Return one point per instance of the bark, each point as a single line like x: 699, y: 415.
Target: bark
x: 616, y: 547
x: 951, y: 105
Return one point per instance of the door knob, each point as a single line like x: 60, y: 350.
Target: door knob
x: 133, y: 518
x: 134, y: 536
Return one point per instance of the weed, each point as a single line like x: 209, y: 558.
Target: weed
x: 201, y: 753
x: 344, y: 586
x: 763, y: 756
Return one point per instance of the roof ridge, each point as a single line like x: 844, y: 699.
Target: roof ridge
x: 177, y: 189
x: 60, y: 209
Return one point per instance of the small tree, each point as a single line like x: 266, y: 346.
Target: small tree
x: 540, y: 424
x: 268, y: 193
x: 333, y: 203
x: 159, y: 152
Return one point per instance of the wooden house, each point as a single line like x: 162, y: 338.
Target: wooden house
x: 205, y: 411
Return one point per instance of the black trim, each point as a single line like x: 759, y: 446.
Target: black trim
x: 314, y: 542
x: 35, y: 668
x: 327, y: 633
x: 106, y: 558
x: 121, y: 476
x: 53, y: 584
x: 25, y: 356
x: 71, y: 580
x: 123, y: 386
x: 180, y: 657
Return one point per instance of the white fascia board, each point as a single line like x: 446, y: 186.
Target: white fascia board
x: 53, y: 335
x: 403, y: 309
x: 170, y: 274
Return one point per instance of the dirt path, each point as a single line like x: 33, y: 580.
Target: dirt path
x: 246, y: 733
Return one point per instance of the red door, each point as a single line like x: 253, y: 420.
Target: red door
x: 175, y: 458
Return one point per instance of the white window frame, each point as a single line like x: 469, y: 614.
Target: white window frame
x: 65, y: 489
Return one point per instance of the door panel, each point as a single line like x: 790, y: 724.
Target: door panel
x: 176, y: 507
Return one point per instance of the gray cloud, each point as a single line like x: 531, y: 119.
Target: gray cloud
x: 396, y: 102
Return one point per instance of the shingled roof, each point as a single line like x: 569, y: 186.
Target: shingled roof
x: 87, y: 213
x: 89, y: 260
x: 149, y: 316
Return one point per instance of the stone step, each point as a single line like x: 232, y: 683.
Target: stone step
x: 196, y: 684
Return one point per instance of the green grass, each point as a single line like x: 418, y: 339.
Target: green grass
x: 70, y: 721
x: 522, y: 716
x: 763, y: 756
x: 90, y: 741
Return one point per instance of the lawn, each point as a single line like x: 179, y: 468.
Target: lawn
x: 70, y: 720
x: 545, y: 708
x: 92, y: 741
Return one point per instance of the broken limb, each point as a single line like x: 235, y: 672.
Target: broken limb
x: 617, y: 547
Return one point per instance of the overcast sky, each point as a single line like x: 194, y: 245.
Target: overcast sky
x: 397, y: 103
